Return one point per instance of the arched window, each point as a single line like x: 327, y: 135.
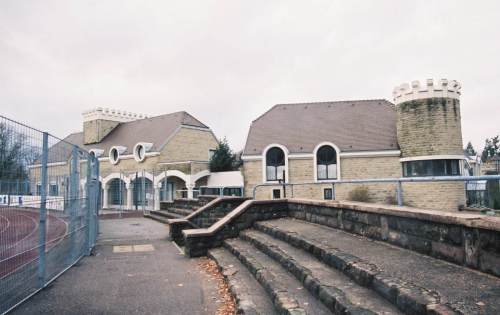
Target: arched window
x: 326, y: 163
x: 275, y: 164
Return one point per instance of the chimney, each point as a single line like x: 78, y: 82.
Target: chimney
x: 99, y: 122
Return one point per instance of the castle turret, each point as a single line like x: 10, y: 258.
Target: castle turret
x: 430, y: 139
x: 99, y: 122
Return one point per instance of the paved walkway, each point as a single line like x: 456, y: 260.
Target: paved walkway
x: 134, y: 280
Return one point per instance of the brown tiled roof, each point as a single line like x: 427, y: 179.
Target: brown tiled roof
x: 362, y: 125
x: 156, y: 130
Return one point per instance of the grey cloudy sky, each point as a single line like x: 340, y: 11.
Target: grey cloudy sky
x: 228, y: 61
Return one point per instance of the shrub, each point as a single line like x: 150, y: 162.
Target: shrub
x: 359, y: 193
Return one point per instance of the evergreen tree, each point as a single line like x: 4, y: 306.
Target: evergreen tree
x: 491, y: 148
x: 470, y: 149
x: 223, y: 159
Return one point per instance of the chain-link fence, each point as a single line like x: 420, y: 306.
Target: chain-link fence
x: 49, y: 194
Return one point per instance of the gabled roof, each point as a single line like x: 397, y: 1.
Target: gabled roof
x: 156, y: 130
x: 360, y: 125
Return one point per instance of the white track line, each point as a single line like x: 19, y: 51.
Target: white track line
x: 29, y: 235
x: 8, y: 223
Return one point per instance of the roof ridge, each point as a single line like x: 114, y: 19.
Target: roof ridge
x: 330, y: 102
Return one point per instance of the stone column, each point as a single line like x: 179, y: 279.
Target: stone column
x: 105, y: 197
x: 157, y: 197
x: 190, y: 191
x: 129, y: 196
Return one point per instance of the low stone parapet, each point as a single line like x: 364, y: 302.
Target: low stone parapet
x: 203, y: 217
x: 198, y: 241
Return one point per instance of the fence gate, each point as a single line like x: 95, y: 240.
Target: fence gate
x: 49, y: 197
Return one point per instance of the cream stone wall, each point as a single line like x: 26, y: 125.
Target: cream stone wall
x: 446, y: 196
x: 429, y: 127
x: 189, y: 145
x: 95, y: 130
x: 302, y: 171
x: 439, y: 196
x: 369, y: 168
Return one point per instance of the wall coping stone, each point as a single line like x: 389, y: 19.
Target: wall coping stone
x: 228, y: 218
x: 466, y: 219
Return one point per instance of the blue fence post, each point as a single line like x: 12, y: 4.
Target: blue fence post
x: 97, y: 203
x: 88, y: 204
x: 73, y: 208
x: 399, y: 190
x: 43, y: 212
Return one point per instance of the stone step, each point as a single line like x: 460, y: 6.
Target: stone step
x: 336, y: 290
x: 166, y: 214
x: 251, y: 298
x: 180, y: 211
x: 288, y: 294
x: 156, y: 217
x: 408, y: 279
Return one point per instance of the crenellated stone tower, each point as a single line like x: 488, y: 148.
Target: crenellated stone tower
x: 429, y: 134
x: 99, y: 122
x: 429, y: 118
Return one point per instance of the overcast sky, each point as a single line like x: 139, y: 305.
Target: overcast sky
x: 227, y: 62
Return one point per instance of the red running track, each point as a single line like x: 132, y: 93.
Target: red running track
x: 19, y: 236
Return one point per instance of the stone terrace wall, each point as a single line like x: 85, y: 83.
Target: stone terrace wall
x: 198, y: 241
x: 187, y: 203
x: 464, y: 239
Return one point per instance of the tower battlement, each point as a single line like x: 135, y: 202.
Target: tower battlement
x: 440, y: 89
x: 110, y: 114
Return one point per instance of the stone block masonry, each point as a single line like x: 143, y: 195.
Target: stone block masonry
x: 463, y: 239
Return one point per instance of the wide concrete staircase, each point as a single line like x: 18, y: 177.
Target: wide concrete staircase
x: 172, y: 213
x: 290, y: 266
x: 177, y: 209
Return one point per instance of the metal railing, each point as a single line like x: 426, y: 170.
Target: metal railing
x: 48, y: 209
x: 397, y: 181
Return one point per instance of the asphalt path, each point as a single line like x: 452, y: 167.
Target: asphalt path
x: 118, y: 279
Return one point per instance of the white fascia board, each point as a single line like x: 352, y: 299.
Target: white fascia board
x: 371, y: 153
x: 251, y: 157
x: 433, y: 157
x: 129, y: 156
x: 300, y: 156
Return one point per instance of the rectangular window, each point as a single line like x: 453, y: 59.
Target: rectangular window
x: 275, y: 173
x: 431, y: 168
x: 271, y: 173
x: 211, y: 154
x: 328, y: 194
x: 276, y: 193
x: 38, y: 189
x: 53, y: 190
x: 322, y: 171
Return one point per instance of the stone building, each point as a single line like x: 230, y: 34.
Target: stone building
x: 417, y: 135
x: 143, y: 160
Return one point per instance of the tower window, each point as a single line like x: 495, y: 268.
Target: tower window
x: 431, y: 168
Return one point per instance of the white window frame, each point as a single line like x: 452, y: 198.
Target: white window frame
x: 264, y: 163
x: 315, y: 158
x: 119, y: 151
